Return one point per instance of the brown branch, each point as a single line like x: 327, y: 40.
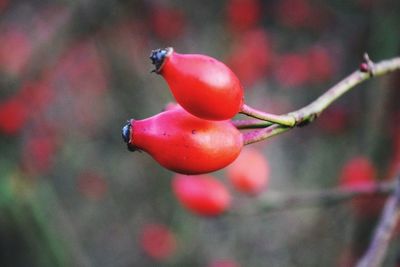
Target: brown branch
x: 375, y: 254
x: 277, y: 201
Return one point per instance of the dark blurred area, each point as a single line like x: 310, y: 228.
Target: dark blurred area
x: 72, y: 73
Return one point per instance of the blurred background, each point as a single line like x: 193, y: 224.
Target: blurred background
x: 72, y: 73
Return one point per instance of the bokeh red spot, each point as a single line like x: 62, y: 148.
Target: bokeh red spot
x: 292, y: 70
x: 92, y: 185
x: 201, y: 194
x: 251, y: 56
x: 334, y: 120
x: 3, y: 4
x: 243, y: 14
x: 13, y: 115
x: 15, y: 50
x: 360, y: 173
x: 167, y: 22
x: 81, y: 68
x: 224, y: 263
x: 37, y: 95
x: 157, y: 241
x: 357, y: 172
x: 39, y: 153
x: 249, y: 173
x: 321, y: 64
x: 293, y: 13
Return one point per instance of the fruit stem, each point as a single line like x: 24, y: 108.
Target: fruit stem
x: 250, y: 124
x: 307, y: 114
x: 286, y: 120
x: 262, y: 134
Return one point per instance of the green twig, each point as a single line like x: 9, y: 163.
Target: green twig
x: 262, y: 134
x: 309, y: 113
x: 286, y: 120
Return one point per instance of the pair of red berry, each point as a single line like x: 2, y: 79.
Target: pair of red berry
x: 196, y: 136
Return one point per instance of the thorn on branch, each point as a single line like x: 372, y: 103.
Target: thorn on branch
x: 367, y: 66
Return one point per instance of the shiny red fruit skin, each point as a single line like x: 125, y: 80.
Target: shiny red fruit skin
x: 186, y: 144
x: 202, y: 194
x: 202, y: 85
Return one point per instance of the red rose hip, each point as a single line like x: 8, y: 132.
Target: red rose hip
x: 202, y: 85
x: 184, y: 143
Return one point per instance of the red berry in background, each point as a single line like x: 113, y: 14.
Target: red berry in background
x: 251, y: 56
x: 249, y: 173
x: 201, y: 194
x: 294, y: 13
x: 292, y: 70
x: 92, y: 185
x: 37, y: 95
x: 334, y: 120
x: 243, y: 14
x: 321, y: 65
x: 15, y: 50
x: 13, y: 115
x: 184, y: 143
x: 3, y: 4
x: 167, y: 22
x: 224, y: 263
x: 359, y: 173
x: 157, y: 241
x: 202, y: 85
x: 39, y: 153
x: 82, y: 68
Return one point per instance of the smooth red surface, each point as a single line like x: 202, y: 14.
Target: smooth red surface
x: 202, y: 194
x: 249, y: 173
x: 186, y: 144
x: 204, y: 86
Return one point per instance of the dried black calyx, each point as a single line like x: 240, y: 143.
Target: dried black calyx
x: 158, y: 56
x: 126, y: 135
x: 126, y: 132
